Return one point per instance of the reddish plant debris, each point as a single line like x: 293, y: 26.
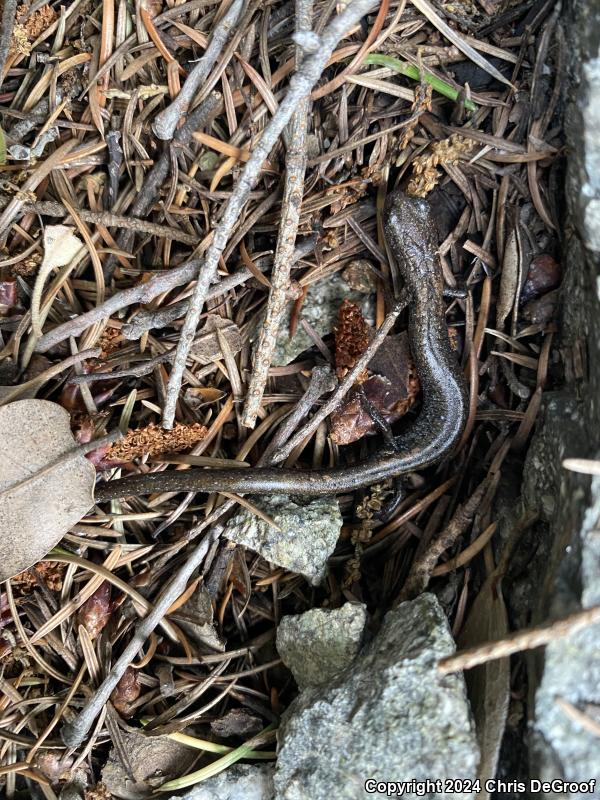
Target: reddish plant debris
x: 54, y: 765
x: 351, y: 337
x: 126, y: 692
x: 545, y: 274
x: 96, y: 611
x: 153, y: 440
x: 392, y: 387
x: 49, y: 571
x: 97, y: 792
x: 359, y: 275
x: 109, y: 342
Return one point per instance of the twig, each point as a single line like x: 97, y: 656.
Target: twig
x: 142, y: 293
x: 74, y: 733
x: 162, y: 317
x: 153, y: 181
x: 293, y: 191
x: 51, y: 208
x: 165, y: 123
x: 7, y: 24
x: 420, y: 572
x: 300, y: 86
x: 344, y: 387
x: 322, y: 380
x: 137, y: 371
x: 522, y: 640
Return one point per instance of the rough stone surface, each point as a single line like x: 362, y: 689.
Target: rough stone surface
x: 239, y: 782
x: 389, y: 716
x: 153, y: 760
x: 310, y: 528
x: 317, y: 645
x: 320, y: 309
x: 568, y: 543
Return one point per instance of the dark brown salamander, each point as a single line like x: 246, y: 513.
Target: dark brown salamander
x: 409, y: 229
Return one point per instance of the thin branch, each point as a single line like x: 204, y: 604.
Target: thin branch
x: 51, y: 208
x: 162, y: 317
x: 349, y: 380
x: 74, y: 733
x: 165, y: 123
x: 7, y: 24
x: 293, y: 192
x: 522, y: 640
x: 300, y: 86
x: 143, y: 293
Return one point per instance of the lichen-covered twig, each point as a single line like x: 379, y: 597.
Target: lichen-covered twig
x: 293, y: 191
x: 300, y: 86
x: 165, y: 123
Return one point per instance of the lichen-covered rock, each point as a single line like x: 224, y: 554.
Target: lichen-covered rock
x: 319, y: 644
x: 320, y: 309
x: 310, y: 528
x: 388, y: 717
x: 239, y: 782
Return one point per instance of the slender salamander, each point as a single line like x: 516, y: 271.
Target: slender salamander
x: 409, y: 230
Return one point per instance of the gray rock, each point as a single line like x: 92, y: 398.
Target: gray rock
x: 310, y: 528
x: 239, y: 782
x: 320, y: 309
x: 320, y: 643
x: 388, y: 717
x: 567, y: 544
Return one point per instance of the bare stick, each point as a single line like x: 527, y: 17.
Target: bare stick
x: 521, y: 640
x: 293, y: 191
x: 145, y: 292
x: 142, y: 293
x: 74, y: 733
x: 165, y: 123
x: 51, y: 208
x: 300, y: 86
x: 7, y: 24
x: 162, y: 317
x: 348, y: 382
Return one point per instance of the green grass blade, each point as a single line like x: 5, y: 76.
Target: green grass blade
x: 410, y: 71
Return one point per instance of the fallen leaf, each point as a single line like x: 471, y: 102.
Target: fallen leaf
x: 45, y: 484
x: 488, y: 685
x: 60, y: 246
x: 509, y: 280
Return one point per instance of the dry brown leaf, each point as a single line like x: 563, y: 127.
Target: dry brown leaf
x: 46, y: 485
x: 489, y: 684
x: 509, y: 280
